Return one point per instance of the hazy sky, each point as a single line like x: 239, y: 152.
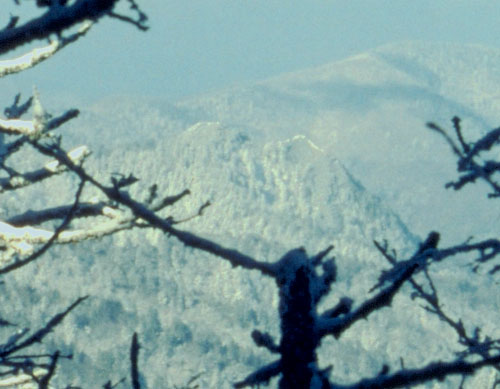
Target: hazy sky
x: 195, y: 46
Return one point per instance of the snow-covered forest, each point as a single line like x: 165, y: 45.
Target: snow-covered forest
x: 337, y: 155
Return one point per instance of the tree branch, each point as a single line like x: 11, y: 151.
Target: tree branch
x: 39, y: 335
x: 54, y: 21
x: 336, y: 326
x: 134, y: 353
x: 433, y: 371
x: 40, y: 54
x: 141, y: 211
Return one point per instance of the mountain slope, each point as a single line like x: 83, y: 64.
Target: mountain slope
x: 192, y: 309
x: 292, y: 161
x: 370, y: 111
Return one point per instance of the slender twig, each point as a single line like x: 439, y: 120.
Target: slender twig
x: 39, y: 335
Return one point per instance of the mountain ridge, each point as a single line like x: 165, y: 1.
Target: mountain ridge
x: 283, y: 167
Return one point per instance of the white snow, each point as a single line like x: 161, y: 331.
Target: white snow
x: 335, y: 155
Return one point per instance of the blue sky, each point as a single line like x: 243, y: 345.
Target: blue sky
x: 195, y: 46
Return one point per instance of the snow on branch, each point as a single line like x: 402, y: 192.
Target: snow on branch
x: 40, y: 124
x: 303, y: 281
x: 26, y: 130
x: 18, y: 180
x: 86, y: 209
x: 142, y: 211
x: 15, y: 380
x: 15, y: 247
x: 58, y: 19
x: 17, y: 126
x: 52, y: 123
x: 28, y: 236
x: 22, y: 240
x: 38, y: 55
x: 76, y: 156
x: 19, y: 237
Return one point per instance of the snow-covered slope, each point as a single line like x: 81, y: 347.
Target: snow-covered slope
x: 370, y: 111
x: 194, y: 311
x: 337, y: 154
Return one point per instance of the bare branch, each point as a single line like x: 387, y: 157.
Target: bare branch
x: 15, y: 111
x: 262, y: 339
x: 167, y: 201
x: 458, y: 131
x: 127, y: 19
x: 448, y: 139
x: 141, y: 211
x: 425, y: 253
x: 263, y: 375
x: 12, y: 22
x: 141, y: 20
x: 470, y: 169
x: 134, y: 371
x: 336, y: 326
x: 473, y: 343
x: 45, y: 380
x: 60, y: 120
x: 54, y: 21
x: 39, y: 335
x: 433, y: 371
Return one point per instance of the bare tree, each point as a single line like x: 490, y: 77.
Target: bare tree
x: 302, y: 280
x: 301, y: 287
x: 26, y: 236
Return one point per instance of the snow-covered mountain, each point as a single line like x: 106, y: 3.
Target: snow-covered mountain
x: 337, y: 154
x: 370, y: 111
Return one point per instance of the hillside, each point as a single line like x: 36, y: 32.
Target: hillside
x: 333, y: 155
x: 370, y: 111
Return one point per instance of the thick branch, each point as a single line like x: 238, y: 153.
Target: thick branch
x: 40, y: 54
x: 55, y: 20
x: 30, y: 218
